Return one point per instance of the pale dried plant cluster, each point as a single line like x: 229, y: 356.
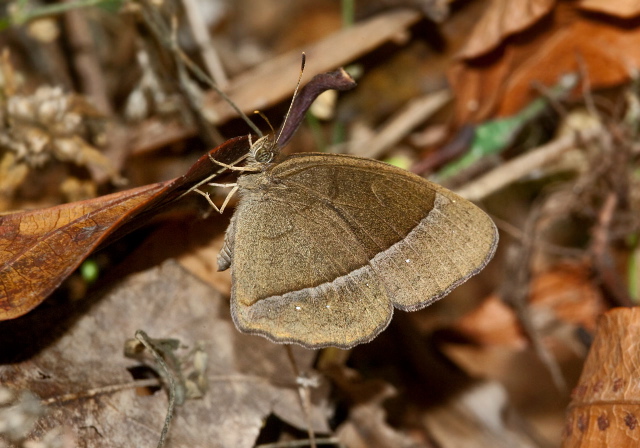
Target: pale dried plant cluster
x: 44, y: 126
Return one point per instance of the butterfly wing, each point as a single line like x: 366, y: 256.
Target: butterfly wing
x: 324, y: 246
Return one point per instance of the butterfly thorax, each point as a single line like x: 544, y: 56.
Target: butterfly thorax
x: 260, y: 181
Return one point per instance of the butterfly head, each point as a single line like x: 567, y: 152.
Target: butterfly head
x: 263, y: 150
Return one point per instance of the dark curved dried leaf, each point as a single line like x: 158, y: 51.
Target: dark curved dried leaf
x: 40, y: 248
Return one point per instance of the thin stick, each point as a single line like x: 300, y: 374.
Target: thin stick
x: 519, y: 167
x: 152, y: 382
x: 305, y: 399
x: 301, y: 443
x: 161, y: 30
x: 146, y: 341
x: 204, y: 78
x: 401, y: 124
x: 201, y: 35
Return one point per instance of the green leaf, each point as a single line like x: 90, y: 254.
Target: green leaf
x: 495, y: 136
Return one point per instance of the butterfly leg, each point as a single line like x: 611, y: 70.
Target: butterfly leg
x: 207, y: 196
x: 229, y: 195
x: 233, y: 167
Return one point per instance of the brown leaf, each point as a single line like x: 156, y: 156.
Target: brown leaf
x: 480, y: 416
x: 501, y: 19
x: 569, y: 293
x: 248, y: 377
x: 366, y: 425
x: 279, y: 74
x: 40, y: 248
x: 492, y: 323
x: 528, y: 384
x: 605, y: 406
x: 563, y: 295
x: 37, y: 247
x: 625, y: 9
x: 500, y: 84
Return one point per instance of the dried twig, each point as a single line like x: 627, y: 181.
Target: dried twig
x: 58, y: 399
x: 165, y: 33
x: 601, y: 253
x: 515, y: 292
x: 305, y: 397
x: 399, y: 126
x: 514, y: 170
x: 168, y: 374
x: 85, y: 58
x: 201, y: 36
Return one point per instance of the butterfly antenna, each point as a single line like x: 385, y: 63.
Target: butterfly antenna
x: 295, y: 94
x: 264, y: 117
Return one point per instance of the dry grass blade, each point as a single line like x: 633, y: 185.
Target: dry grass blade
x: 248, y: 91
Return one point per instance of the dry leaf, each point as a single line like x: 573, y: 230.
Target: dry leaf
x: 569, y: 293
x: 625, y: 9
x: 366, y: 425
x: 503, y: 18
x: 500, y: 84
x: 482, y: 417
x: 248, y: 377
x: 492, y: 323
x: 564, y: 295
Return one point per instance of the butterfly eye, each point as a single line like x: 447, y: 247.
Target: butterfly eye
x: 264, y: 155
x: 263, y: 150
